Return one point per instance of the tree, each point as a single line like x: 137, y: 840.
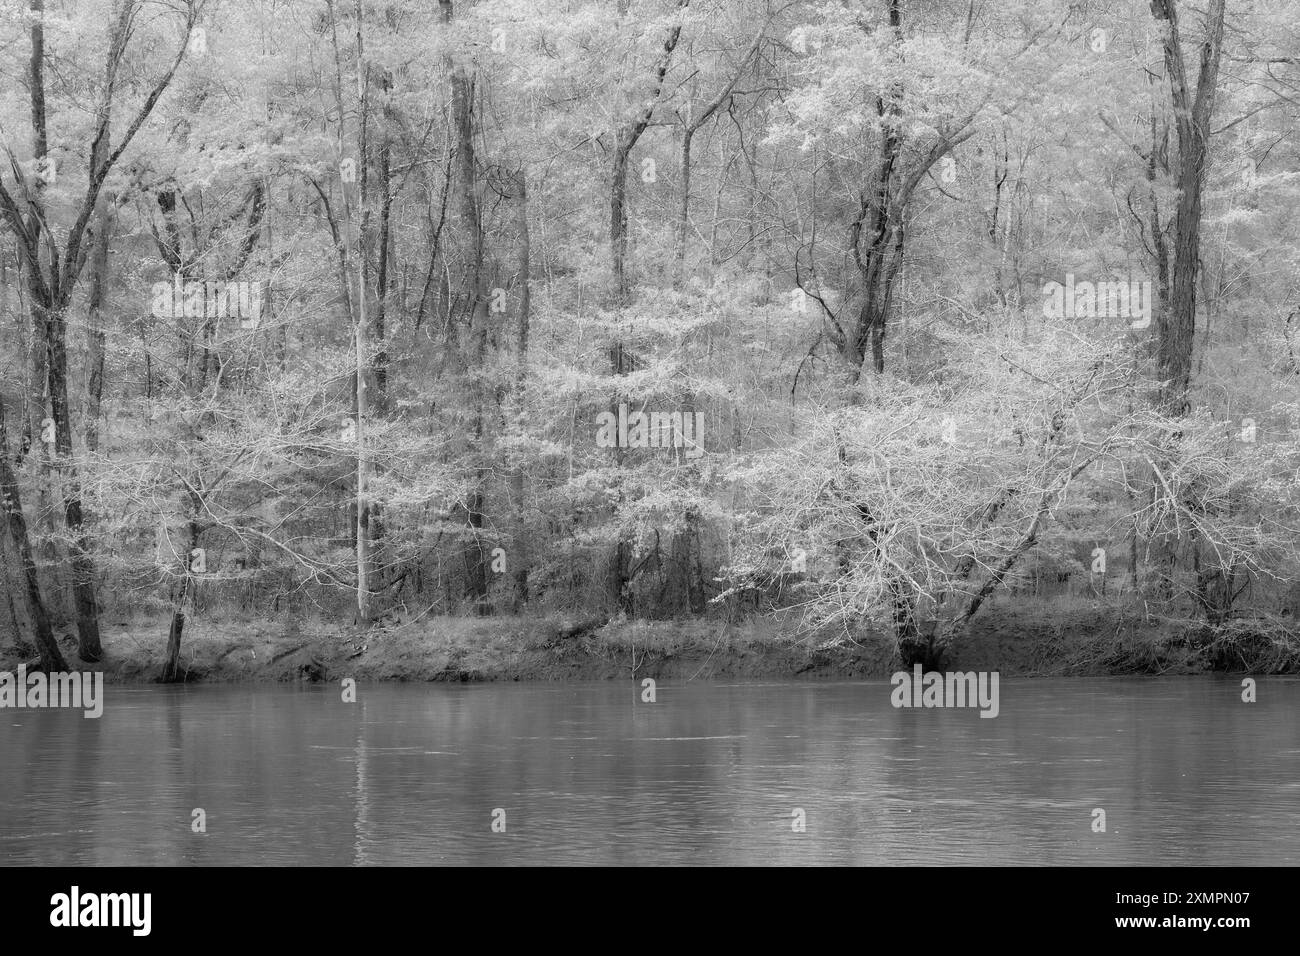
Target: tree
x: 52, y: 270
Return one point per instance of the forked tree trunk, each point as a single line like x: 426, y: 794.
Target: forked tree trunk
x: 876, y: 235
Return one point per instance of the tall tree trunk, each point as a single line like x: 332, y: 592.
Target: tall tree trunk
x: 378, y: 326
x: 1192, y: 110
x: 95, y: 319
x: 363, y: 369
x: 102, y: 220
x: 618, y: 216
x: 20, y: 643
x: 476, y: 563
x: 383, y: 278
x: 171, y: 663
x: 1176, y: 321
x: 39, y: 395
x: 684, y: 207
x: 522, y: 557
x: 1158, y: 158
x: 880, y: 224
x: 51, y: 657
x: 79, y: 554
x: 362, y: 508
x: 876, y: 235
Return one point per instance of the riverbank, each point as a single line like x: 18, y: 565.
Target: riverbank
x: 1016, y: 640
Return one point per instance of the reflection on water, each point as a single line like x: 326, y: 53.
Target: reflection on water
x: 711, y: 773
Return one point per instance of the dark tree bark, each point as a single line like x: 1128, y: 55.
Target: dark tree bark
x: 38, y: 400
x: 877, y: 233
x: 383, y: 277
x: 51, y: 657
x: 79, y: 553
x: 102, y: 224
x: 95, y: 334
x: 1176, y: 328
x: 171, y: 662
x: 626, y: 135
x: 1178, y: 261
x: 1157, y: 159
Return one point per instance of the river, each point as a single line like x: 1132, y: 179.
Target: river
x: 710, y: 773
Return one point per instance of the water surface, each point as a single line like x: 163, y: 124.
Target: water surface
x: 711, y: 773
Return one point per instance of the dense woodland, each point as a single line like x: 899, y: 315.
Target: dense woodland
x: 878, y: 312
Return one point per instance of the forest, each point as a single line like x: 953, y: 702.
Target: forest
x: 852, y: 316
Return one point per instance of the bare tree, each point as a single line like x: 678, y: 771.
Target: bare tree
x: 52, y: 272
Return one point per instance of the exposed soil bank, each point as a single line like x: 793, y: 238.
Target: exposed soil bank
x: 1086, y: 641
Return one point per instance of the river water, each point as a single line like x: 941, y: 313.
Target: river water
x: 710, y: 773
